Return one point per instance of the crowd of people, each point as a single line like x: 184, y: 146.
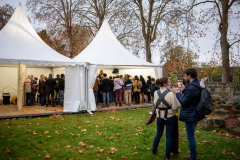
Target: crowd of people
x: 123, y: 90
x: 45, y: 88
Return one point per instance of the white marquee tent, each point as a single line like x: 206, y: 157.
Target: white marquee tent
x: 23, y: 52
x: 106, y: 52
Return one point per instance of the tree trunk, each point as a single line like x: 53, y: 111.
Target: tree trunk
x: 223, y: 28
x: 148, y: 50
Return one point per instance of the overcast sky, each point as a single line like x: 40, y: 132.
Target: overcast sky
x: 205, y: 43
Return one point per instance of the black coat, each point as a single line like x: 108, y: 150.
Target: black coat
x: 61, y: 83
x: 56, y: 87
x: 50, y: 83
x: 143, y: 89
x: 111, y: 85
x: 105, y: 85
x: 148, y: 85
x: 153, y: 88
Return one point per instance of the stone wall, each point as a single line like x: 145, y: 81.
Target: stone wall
x: 218, y: 89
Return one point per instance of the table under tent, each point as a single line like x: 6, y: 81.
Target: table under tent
x: 23, y: 52
x: 106, y: 53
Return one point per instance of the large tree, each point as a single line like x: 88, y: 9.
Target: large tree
x: 6, y: 12
x: 155, y: 16
x: 177, y: 59
x: 62, y: 19
x: 220, y: 13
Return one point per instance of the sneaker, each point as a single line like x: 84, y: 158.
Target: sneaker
x: 150, y: 112
x: 46, y: 105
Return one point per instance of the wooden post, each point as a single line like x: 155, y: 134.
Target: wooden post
x: 22, y: 71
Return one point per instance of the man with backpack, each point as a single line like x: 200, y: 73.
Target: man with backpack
x: 188, y: 113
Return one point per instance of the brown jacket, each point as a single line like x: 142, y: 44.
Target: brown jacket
x: 97, y: 83
x: 135, y: 84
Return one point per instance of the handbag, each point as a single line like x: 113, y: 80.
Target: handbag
x: 153, y: 116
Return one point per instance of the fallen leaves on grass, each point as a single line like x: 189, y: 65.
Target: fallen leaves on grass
x: 46, y: 132
x: 82, y: 144
x: 209, y: 142
x: 29, y: 123
x: 223, y: 152
x: 100, y: 150
x: 134, y: 153
x: 48, y: 156
x: 148, y: 148
x: 84, y: 130
x: 68, y: 147
x: 34, y: 150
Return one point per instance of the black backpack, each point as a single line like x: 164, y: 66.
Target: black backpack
x: 205, y: 105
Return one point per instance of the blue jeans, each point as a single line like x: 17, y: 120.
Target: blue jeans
x: 42, y: 99
x: 105, y: 95
x: 111, y: 95
x: 190, y: 129
x: 95, y: 96
x: 29, y: 96
x: 170, y: 123
x: 61, y: 93
x: 55, y: 99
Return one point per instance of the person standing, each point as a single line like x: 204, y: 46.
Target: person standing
x: 95, y: 90
x: 39, y: 86
x: 28, y: 91
x: 118, y: 90
x: 111, y: 92
x: 61, y: 85
x: 143, y: 89
x: 50, y: 83
x: 128, y: 90
x: 123, y: 80
x: 105, y: 90
x: 100, y: 74
x: 148, y: 85
x: 165, y: 114
x: 42, y: 86
x: 153, y: 88
x: 56, y: 88
x: 188, y: 113
x: 136, y: 89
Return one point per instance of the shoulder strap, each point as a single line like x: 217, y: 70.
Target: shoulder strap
x: 197, y: 86
x: 161, y: 98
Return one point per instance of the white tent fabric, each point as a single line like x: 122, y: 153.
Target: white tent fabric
x: 92, y: 72
x: 74, y: 95
x: 19, y: 43
x: 105, y: 49
x: 158, y: 72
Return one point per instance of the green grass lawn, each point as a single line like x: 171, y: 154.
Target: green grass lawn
x: 117, y: 134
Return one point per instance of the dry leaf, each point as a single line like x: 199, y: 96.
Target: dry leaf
x: 46, y: 132
x: 82, y: 144
x: 21, y: 158
x: 148, y: 148
x: 100, y: 150
x: 34, y: 150
x: 48, y: 156
x: 223, y: 152
x: 67, y: 147
x: 84, y: 130
x: 91, y: 146
x: 80, y: 152
x: 134, y: 153
x: 98, y: 155
x: 113, y: 149
x: 58, y: 145
x: 29, y: 139
x: 29, y: 123
x: 34, y: 132
x: 38, y: 146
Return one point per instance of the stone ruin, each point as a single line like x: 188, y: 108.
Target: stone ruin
x: 219, y: 118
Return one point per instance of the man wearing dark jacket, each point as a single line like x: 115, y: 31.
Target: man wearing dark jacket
x: 143, y: 89
x: 105, y: 89
x: 50, y: 83
x: 153, y: 88
x: 61, y: 83
x: 188, y: 112
x: 56, y: 88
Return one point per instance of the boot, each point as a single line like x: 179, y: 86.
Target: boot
x: 120, y: 104
x: 115, y: 104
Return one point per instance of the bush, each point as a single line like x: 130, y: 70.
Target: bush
x: 173, y: 80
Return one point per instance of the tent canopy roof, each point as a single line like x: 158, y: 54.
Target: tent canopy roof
x: 19, y: 43
x: 106, y: 50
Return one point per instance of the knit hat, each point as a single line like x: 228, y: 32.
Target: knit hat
x: 152, y: 79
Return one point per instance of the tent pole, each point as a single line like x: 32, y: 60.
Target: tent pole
x: 86, y: 90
